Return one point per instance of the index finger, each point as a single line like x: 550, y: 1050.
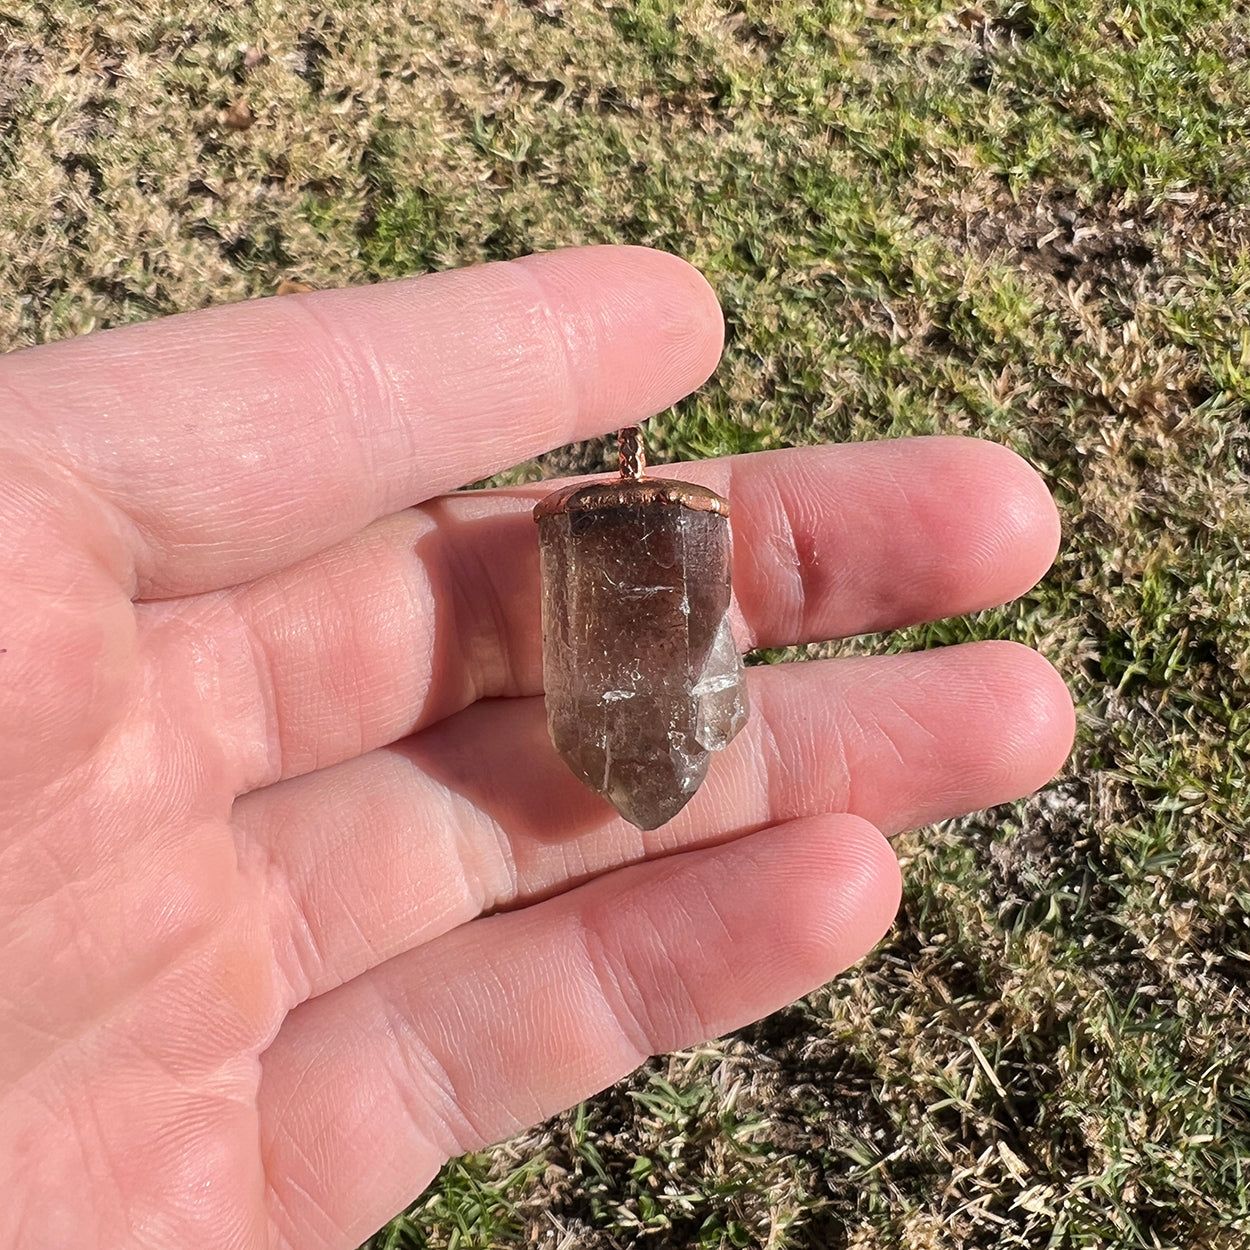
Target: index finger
x: 226, y: 443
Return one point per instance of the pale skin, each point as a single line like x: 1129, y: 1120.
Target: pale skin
x: 296, y: 900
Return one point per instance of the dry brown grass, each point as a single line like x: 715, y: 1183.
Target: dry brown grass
x: 1024, y: 221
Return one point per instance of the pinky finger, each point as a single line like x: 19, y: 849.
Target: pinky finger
x: 367, y: 1090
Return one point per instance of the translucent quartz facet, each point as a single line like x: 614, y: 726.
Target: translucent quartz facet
x: 642, y: 676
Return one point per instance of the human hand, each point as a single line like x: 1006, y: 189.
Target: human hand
x: 273, y: 744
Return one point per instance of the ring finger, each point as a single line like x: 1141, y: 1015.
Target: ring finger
x: 385, y: 852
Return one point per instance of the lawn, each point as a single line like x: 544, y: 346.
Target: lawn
x: 1027, y: 222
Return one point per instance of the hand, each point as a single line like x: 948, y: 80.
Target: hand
x: 274, y: 746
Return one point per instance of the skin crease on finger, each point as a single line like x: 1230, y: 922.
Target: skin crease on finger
x: 148, y: 1043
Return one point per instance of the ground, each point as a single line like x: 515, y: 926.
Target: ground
x: 1027, y: 222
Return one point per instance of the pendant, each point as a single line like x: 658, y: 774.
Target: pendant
x: 642, y: 674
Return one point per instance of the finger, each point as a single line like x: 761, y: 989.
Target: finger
x: 235, y: 440
x: 492, y: 1028
x: 391, y: 850
x: 427, y: 611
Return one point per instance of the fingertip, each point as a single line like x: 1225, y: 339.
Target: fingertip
x: 847, y: 890
x: 1038, y: 512
x: 669, y: 284
x: 698, y: 317
x: 881, y: 888
x: 1037, y: 714
x: 686, y: 315
x: 711, y: 940
x: 646, y: 326
x: 984, y: 514
x: 1017, y: 510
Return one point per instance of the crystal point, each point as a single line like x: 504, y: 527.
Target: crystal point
x: 642, y: 675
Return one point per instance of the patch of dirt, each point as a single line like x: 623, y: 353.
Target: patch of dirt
x: 1054, y: 849
x: 1103, y: 244
x: 21, y: 67
x: 584, y: 1188
x: 1110, y: 244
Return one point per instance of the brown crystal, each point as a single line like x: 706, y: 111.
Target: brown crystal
x: 642, y: 675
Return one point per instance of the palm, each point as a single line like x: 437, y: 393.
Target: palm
x: 275, y: 745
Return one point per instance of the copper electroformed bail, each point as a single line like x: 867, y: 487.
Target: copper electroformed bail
x: 632, y: 487
x: 632, y: 453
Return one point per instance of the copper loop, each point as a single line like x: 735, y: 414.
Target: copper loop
x: 632, y: 452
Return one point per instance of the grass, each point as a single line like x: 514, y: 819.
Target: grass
x: 1028, y: 222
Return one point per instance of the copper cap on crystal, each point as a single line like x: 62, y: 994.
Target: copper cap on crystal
x: 626, y: 492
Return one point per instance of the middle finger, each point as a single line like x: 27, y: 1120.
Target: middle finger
x: 426, y: 611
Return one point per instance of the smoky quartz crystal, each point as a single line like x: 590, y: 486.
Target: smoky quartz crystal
x: 642, y: 675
